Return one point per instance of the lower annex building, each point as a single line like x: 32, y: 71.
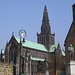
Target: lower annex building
x: 36, y: 57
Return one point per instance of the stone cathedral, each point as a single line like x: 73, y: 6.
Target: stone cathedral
x: 36, y: 57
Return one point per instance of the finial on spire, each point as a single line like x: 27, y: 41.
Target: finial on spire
x: 58, y: 44
x: 45, y: 2
x: 45, y: 9
x: 12, y: 33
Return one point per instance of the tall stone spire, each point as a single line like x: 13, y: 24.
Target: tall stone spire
x: 46, y: 38
x: 45, y: 28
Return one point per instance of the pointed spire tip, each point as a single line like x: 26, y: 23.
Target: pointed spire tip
x: 12, y: 33
x: 45, y: 9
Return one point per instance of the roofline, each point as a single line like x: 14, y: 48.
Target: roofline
x: 68, y: 33
x: 35, y: 49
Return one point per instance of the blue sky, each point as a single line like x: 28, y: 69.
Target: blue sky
x: 28, y: 14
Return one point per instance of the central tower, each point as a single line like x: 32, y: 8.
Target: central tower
x: 46, y: 37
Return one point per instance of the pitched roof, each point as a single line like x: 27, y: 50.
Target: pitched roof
x: 53, y: 47
x: 32, y: 45
x: 37, y: 46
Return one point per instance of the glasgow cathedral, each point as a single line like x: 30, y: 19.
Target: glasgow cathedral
x: 36, y: 57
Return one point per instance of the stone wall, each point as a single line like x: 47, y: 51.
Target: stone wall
x: 35, y: 53
x: 39, y: 54
x: 38, y: 73
x: 6, y: 69
x: 70, y: 39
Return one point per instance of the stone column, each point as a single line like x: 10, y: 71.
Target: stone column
x: 24, y: 66
x: 30, y: 67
